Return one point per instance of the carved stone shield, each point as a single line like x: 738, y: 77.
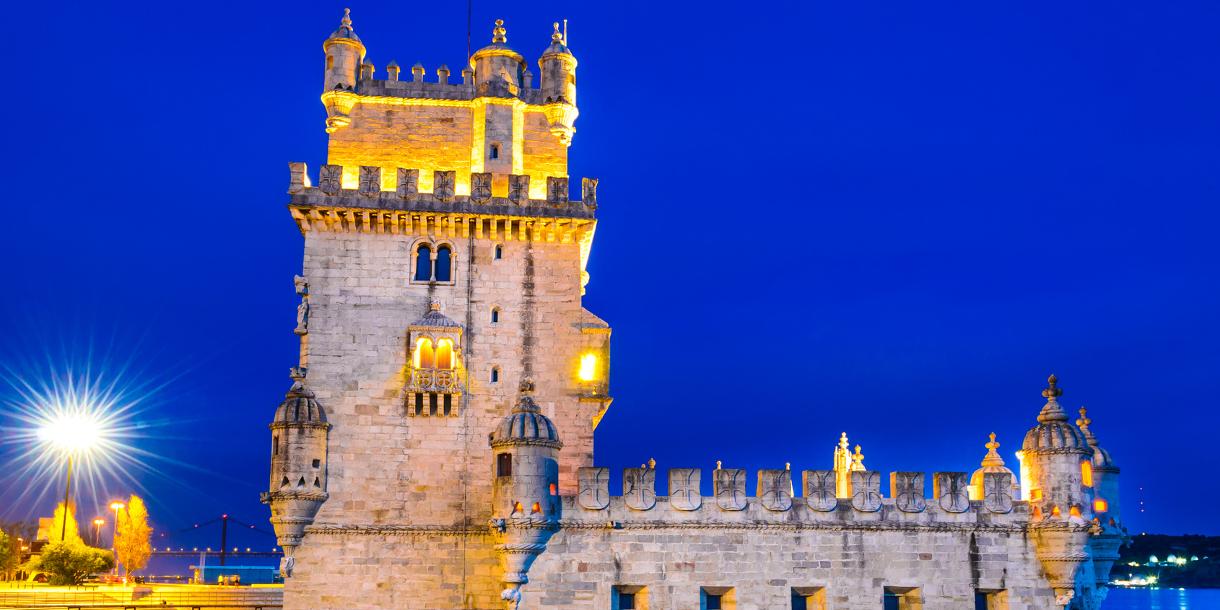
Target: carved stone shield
x: 731, y: 488
x: 820, y: 490
x: 556, y: 190
x: 480, y: 187
x: 640, y: 488
x: 684, y: 492
x: 408, y: 182
x: 952, y: 491
x: 866, y: 490
x: 594, y: 488
x: 775, y: 489
x: 442, y: 185
x: 588, y: 196
x: 908, y: 491
x: 997, y: 492
x: 330, y: 179
x: 518, y: 189
x: 370, y: 181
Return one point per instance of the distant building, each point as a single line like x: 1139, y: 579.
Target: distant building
x: 435, y: 449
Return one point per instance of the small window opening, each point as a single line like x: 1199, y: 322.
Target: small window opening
x: 499, y: 251
x: 448, y: 404
x: 717, y: 598
x: 317, y: 463
x: 495, y: 151
x: 629, y: 597
x: 275, y: 444
x: 495, y: 315
x: 284, y: 483
x: 317, y: 483
x: 432, y: 403
x: 554, y: 490
x: 504, y: 465
x: 443, y: 256
x: 419, y: 404
x: 626, y: 601
x: 901, y: 598
x: 495, y: 374
x: 330, y: 62
x: 1074, y: 511
x: 536, y: 508
x: 1086, y: 473
x: 1100, y: 505
x: 808, y: 598
x: 990, y: 600
x: 423, y: 263
x: 301, y: 482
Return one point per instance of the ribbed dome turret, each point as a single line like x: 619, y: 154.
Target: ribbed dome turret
x: 1054, y: 431
x: 558, y: 46
x: 992, y: 463
x: 526, y: 425
x: 345, y: 31
x: 499, y: 46
x: 1101, y: 457
x: 299, y: 406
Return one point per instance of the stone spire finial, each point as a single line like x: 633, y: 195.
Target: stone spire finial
x: 525, y: 402
x: 1052, y: 412
x: 347, y: 19
x: 993, y: 457
x: 652, y: 464
x: 843, y: 444
x: 498, y: 33
x: 717, y: 464
x: 1084, y: 422
x: 557, y: 36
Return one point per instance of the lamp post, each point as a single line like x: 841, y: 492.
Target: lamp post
x: 72, y: 434
x: 114, y: 541
x: 97, y: 531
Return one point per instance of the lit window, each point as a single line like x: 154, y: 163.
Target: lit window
x: 1100, y: 506
x: 1074, y: 511
x: 444, y: 354
x: 588, y: 367
x: 424, y: 356
x: 1086, y: 473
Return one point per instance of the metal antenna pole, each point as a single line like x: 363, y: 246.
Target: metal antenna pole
x: 63, y: 531
x: 469, y: 8
x: 224, y: 536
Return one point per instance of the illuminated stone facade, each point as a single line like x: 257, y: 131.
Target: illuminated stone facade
x: 436, y: 447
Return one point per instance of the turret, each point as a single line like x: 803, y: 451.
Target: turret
x: 1057, y: 455
x: 558, y: 86
x: 497, y: 67
x: 344, y: 54
x: 297, y: 487
x: 525, y: 494
x: 1109, y: 534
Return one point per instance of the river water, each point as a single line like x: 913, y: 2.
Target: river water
x: 1162, y: 599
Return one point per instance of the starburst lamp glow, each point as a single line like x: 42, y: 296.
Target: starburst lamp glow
x: 72, y: 433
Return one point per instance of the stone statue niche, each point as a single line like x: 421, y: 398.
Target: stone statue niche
x: 302, y: 287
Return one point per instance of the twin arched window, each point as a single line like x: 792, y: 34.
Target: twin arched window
x: 429, y: 268
x: 429, y: 357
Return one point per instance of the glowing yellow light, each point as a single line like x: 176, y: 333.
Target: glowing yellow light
x: 444, y: 354
x: 99, y: 522
x: 1086, y: 473
x: 117, y: 506
x: 588, y: 367
x: 72, y: 432
x: 1100, y: 506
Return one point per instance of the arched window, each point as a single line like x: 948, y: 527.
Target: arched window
x: 275, y: 441
x: 495, y: 374
x: 423, y: 263
x: 1086, y: 473
x: 442, y: 264
x: 495, y: 315
x: 444, y: 354
x: 424, y: 357
x: 499, y: 252
x: 330, y: 61
x: 504, y: 465
x: 495, y: 151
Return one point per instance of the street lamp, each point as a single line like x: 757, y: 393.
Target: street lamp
x: 114, y: 540
x: 97, y: 530
x: 73, y: 434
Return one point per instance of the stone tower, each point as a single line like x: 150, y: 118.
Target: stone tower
x: 444, y: 263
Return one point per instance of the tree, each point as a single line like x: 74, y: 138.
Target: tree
x: 57, y: 526
x: 10, y: 555
x: 71, y: 562
x: 133, y: 536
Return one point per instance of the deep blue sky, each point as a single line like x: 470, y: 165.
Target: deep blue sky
x: 889, y: 218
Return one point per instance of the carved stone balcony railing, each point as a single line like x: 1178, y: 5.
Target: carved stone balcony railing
x: 439, y: 381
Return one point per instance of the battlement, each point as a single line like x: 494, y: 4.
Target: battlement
x: 775, y: 503
x: 373, y: 188
x: 417, y: 85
